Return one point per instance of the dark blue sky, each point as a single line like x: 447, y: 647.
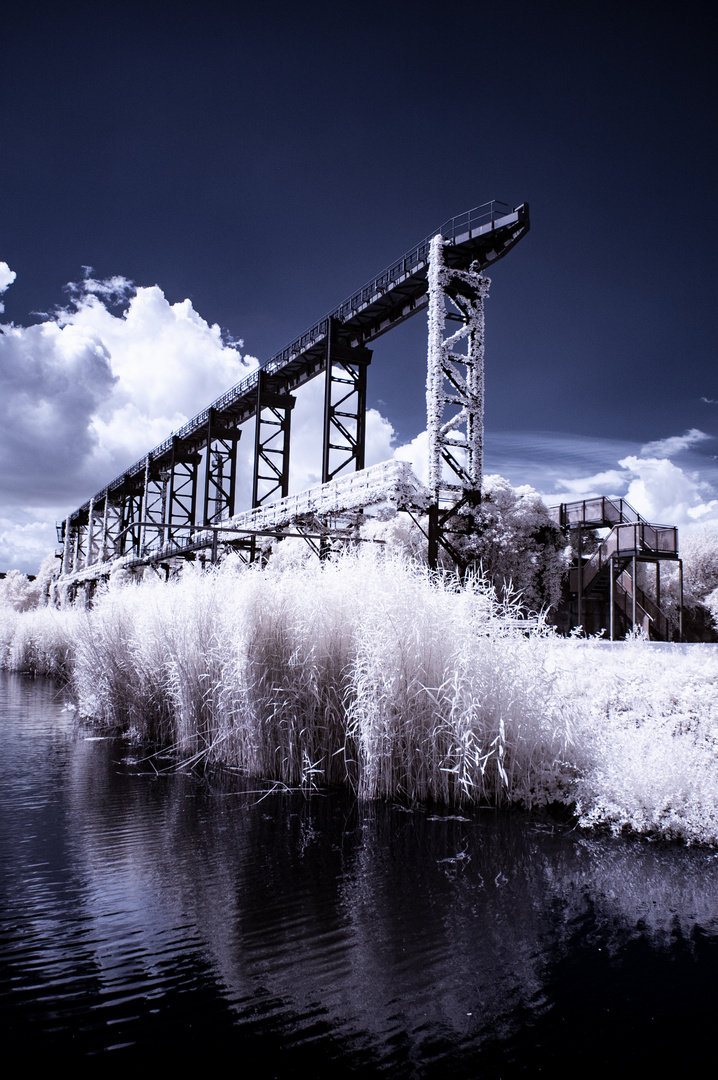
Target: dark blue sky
x: 266, y: 162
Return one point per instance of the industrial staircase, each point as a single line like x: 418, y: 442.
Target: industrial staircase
x: 602, y: 591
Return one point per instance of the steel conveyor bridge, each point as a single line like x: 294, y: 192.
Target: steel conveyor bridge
x: 162, y: 502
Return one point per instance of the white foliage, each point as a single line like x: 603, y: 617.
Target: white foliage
x: 518, y: 543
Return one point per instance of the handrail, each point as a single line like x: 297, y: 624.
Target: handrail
x: 628, y: 540
x: 597, y: 512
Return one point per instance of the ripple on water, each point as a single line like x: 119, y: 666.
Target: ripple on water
x: 169, y: 914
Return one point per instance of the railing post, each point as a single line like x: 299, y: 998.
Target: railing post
x: 580, y: 576
x: 66, y: 558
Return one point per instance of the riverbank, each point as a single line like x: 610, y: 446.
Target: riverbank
x: 365, y: 672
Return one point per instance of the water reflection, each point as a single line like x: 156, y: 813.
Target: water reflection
x: 173, y: 916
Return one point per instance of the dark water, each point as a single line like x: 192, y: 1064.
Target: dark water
x: 169, y: 919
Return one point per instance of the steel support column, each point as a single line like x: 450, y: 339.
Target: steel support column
x: 344, y: 405
x: 271, y: 441
x: 454, y: 398
x: 131, y: 535
x: 154, y: 506
x: 220, y: 469
x: 91, y: 538
x: 183, y: 488
x: 113, y: 521
x: 67, y: 549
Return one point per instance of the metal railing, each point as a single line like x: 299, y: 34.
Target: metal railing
x: 626, y: 541
x: 597, y: 512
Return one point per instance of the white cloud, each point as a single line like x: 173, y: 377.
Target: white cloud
x: 7, y: 276
x: 665, y: 494
x: 674, y: 444
x: 86, y: 392
x: 25, y: 540
x: 603, y: 483
x: 416, y: 453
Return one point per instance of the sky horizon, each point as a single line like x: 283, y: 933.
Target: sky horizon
x: 214, y: 187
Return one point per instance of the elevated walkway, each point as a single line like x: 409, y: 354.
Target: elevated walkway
x: 603, y: 584
x: 476, y: 238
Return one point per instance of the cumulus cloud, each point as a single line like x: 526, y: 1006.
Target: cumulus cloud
x: 7, y: 276
x: 602, y: 483
x: 674, y: 444
x: 88, y: 391
x: 25, y: 540
x: 664, y: 493
x: 416, y: 453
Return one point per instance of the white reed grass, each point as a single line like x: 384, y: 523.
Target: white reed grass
x: 368, y: 671
x: 40, y: 641
x: 364, y: 670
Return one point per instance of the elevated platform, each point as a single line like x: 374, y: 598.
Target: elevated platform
x: 602, y: 591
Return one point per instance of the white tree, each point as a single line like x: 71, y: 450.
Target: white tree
x: 21, y: 594
x: 517, y: 545
x: 699, y: 552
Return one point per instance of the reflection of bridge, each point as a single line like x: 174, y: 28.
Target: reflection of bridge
x: 603, y: 587
x: 179, y: 499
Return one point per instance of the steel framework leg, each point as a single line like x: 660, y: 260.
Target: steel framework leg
x: 220, y: 470
x: 131, y: 518
x: 344, y: 406
x: 454, y: 395
x: 183, y: 489
x: 271, y: 441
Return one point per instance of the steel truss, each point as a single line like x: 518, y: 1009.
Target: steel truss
x: 220, y: 468
x: 271, y: 440
x: 454, y: 400
x: 344, y: 405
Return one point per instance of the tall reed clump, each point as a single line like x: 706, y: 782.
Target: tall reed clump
x: 450, y: 697
x: 40, y: 641
x: 364, y: 670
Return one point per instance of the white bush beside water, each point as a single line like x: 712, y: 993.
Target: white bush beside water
x: 366, y: 671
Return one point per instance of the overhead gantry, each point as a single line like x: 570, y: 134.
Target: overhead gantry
x: 180, y: 497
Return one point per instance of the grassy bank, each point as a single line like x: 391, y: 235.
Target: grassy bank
x: 366, y: 672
